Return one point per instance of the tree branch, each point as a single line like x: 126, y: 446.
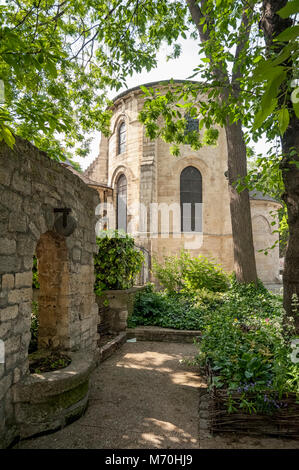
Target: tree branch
x: 243, y: 36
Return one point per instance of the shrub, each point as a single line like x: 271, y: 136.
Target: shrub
x: 167, y: 311
x: 186, y: 274
x: 176, y: 310
x: 118, y: 261
x: 247, y: 345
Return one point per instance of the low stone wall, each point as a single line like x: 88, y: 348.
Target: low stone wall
x: 111, y: 347
x: 155, y: 333
x: 115, y: 306
x: 49, y: 401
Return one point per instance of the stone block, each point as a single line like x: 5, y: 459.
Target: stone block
x: 5, y: 327
x: 17, y: 222
x: 5, y: 175
x: 24, y: 279
x: 21, y: 183
x: 12, y: 345
x: 8, y: 281
x: 34, y: 230
x: 10, y: 361
x: 25, y: 309
x: 9, y: 264
x: 17, y: 296
x: 25, y: 244
x: 9, y: 313
x: 7, y: 246
x: 16, y: 375
x: 76, y: 254
x: 27, y: 262
x: 5, y: 383
x: 22, y: 326
x: 11, y: 200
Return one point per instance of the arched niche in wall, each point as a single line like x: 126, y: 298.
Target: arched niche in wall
x: 260, y: 224
x: 53, y: 298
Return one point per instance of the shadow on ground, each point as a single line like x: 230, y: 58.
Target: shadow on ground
x: 144, y: 397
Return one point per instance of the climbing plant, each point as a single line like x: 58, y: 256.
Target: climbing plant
x: 117, y: 262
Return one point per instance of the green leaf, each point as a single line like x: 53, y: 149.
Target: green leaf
x: 145, y: 90
x: 6, y: 135
x: 288, y: 34
x: 291, y: 8
x: 283, y: 120
x: 51, y: 68
x: 264, y: 113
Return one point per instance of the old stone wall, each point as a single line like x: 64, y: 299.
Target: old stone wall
x: 115, y: 307
x: 265, y: 238
x: 31, y: 187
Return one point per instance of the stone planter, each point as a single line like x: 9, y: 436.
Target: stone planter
x: 114, y: 308
x: 48, y: 401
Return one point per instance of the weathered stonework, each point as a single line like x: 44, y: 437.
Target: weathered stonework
x: 153, y: 176
x: 31, y: 187
x: 170, y: 335
x: 114, y: 308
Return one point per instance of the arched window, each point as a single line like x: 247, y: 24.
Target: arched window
x: 122, y: 138
x: 191, y: 199
x: 121, y: 203
x: 192, y: 124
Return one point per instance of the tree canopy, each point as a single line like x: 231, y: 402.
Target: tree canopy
x: 59, y: 57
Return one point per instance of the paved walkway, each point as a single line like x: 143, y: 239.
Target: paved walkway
x: 143, y: 397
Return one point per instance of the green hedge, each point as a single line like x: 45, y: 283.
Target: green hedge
x: 118, y: 261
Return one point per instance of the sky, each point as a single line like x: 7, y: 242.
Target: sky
x: 180, y: 69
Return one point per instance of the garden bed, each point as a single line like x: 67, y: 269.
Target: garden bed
x: 47, y: 361
x: 282, y: 422
x: 48, y: 401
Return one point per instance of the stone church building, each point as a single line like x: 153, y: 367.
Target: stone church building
x: 147, y: 187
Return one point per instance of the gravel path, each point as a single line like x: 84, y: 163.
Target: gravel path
x: 143, y: 397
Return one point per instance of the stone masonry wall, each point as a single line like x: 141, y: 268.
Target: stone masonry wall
x: 31, y: 187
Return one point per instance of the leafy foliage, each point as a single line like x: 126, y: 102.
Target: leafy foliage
x: 186, y: 274
x: 117, y: 262
x: 175, y: 310
x: 245, y: 339
x: 278, y: 73
x: 35, y: 283
x: 248, y: 346
x: 57, y: 60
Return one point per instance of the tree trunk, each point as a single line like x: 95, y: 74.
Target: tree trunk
x: 272, y: 25
x: 244, y: 255
x: 290, y: 174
